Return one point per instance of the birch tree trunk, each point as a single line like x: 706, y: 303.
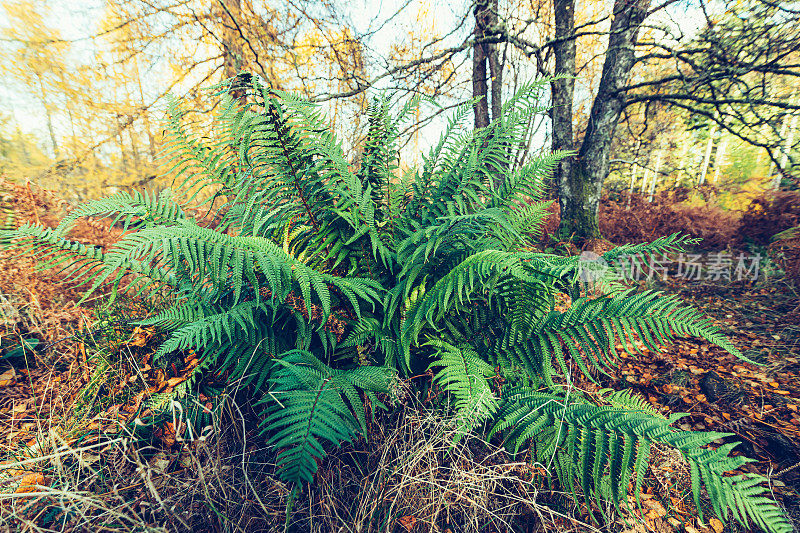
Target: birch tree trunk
x: 719, y: 158
x: 776, y: 182
x: 579, y: 191
x: 656, y: 171
x: 634, y: 169
x: 645, y: 179
x: 707, y: 156
x: 786, y: 149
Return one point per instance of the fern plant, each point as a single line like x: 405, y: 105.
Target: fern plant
x: 320, y: 280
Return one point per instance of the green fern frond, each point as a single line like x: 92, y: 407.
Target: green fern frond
x: 232, y: 263
x: 139, y: 208
x: 306, y: 407
x: 674, y: 243
x: 585, y: 442
x: 591, y: 328
x: 464, y: 374
x: 527, y: 220
x: 630, y: 400
x: 225, y: 326
x: 79, y: 262
x: 527, y: 182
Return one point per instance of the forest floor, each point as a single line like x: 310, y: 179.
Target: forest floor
x: 64, y: 413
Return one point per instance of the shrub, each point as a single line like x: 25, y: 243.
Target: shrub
x: 319, y: 284
x: 768, y: 215
x: 631, y: 218
x: 786, y: 249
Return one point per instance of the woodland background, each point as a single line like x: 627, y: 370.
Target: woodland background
x: 703, y: 93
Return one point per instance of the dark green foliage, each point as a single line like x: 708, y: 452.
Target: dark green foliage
x: 318, y: 283
x: 311, y: 402
x: 464, y: 375
x: 601, y: 449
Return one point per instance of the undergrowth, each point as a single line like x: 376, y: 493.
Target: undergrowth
x: 320, y: 290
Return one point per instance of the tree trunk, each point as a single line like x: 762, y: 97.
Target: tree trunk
x: 579, y: 193
x: 776, y: 182
x: 719, y: 159
x: 151, y: 142
x: 563, y: 89
x: 656, y: 174
x: 486, y: 54
x: 232, y: 42
x: 48, y: 115
x: 123, y: 153
x: 707, y: 157
x: 646, y: 178
x: 681, y: 165
x: 787, y: 148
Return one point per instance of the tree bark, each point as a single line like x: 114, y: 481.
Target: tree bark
x: 579, y: 193
x: 707, y: 157
x: 486, y: 55
x: 719, y: 159
x: 232, y: 43
x: 563, y: 88
x: 656, y: 175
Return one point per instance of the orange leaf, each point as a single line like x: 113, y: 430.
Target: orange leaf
x: 171, y: 382
x: 408, y: 522
x: 30, y: 481
x: 167, y: 434
x: 139, y: 337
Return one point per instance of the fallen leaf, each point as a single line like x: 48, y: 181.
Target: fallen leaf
x: 29, y: 482
x: 408, y: 522
x: 167, y: 434
x: 171, y: 382
x: 8, y: 375
x: 139, y: 337
x: 652, y: 514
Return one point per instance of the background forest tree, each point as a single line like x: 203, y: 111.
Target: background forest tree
x: 680, y: 86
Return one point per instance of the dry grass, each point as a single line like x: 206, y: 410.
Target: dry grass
x: 407, y: 478
x: 412, y: 478
x: 217, y: 482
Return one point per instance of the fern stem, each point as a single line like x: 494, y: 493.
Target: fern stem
x: 282, y: 131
